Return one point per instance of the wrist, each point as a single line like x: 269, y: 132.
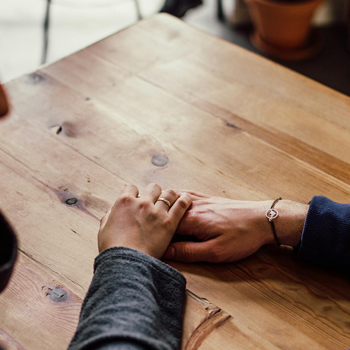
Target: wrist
x: 289, y: 223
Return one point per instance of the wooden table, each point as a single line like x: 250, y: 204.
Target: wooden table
x: 163, y: 102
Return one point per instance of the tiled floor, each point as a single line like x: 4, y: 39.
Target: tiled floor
x: 74, y: 25
x: 78, y: 23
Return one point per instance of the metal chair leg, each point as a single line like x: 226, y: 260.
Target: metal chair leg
x: 47, y: 27
x: 220, y: 10
x: 138, y: 9
x: 46, y: 32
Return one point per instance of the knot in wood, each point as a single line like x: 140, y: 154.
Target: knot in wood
x: 57, y: 294
x: 72, y: 201
x: 159, y: 160
x: 57, y: 129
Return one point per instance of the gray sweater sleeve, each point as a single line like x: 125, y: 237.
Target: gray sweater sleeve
x: 134, y: 302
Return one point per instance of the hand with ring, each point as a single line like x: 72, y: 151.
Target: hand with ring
x: 146, y: 223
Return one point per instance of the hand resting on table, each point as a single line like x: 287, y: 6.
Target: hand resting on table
x: 231, y: 230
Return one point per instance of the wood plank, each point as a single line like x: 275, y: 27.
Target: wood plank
x: 238, y: 157
x: 286, y: 305
x: 276, y: 99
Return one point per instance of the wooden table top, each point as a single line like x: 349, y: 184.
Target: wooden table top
x: 163, y: 102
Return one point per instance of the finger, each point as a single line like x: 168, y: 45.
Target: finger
x: 130, y: 190
x: 189, y: 224
x: 105, y: 218
x: 169, y: 195
x: 151, y: 193
x: 190, y: 252
x: 192, y: 194
x: 179, y: 208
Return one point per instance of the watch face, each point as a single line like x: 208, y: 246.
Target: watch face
x: 3, y: 103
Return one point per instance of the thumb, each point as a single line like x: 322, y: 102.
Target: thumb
x: 190, y: 252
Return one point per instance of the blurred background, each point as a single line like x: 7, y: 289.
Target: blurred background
x: 39, y: 32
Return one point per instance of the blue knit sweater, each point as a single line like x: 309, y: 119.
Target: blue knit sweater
x: 326, y: 234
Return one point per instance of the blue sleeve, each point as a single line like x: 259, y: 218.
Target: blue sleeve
x: 135, y: 302
x: 326, y: 235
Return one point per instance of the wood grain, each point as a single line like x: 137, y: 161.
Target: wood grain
x: 163, y: 102
x: 200, y: 320
x: 37, y: 310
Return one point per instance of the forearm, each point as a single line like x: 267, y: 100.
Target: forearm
x: 321, y: 230
x: 134, y: 302
x: 289, y: 223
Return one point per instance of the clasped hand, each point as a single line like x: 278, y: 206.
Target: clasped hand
x: 143, y: 222
x: 225, y: 230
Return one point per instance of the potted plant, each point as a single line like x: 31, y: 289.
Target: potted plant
x: 283, y: 27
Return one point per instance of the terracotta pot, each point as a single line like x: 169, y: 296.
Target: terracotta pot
x: 283, y: 24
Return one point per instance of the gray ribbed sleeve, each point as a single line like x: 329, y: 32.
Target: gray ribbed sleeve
x: 134, y: 302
